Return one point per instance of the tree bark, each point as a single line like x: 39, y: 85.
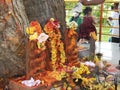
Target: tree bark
x: 43, y: 10
x: 13, y: 22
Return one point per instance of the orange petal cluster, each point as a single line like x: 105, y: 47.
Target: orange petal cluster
x: 37, y: 26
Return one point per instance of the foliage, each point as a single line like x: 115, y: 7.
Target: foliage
x: 69, y: 5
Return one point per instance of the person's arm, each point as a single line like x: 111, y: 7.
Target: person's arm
x: 109, y: 21
x: 112, y: 16
x: 94, y: 20
x: 91, y: 2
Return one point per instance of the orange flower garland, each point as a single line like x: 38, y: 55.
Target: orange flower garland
x: 37, y: 26
x: 35, y: 33
x: 57, y: 46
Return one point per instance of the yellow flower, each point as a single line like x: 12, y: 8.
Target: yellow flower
x: 30, y: 30
x: 63, y: 73
x: 69, y: 88
x: 38, y: 44
x: 58, y: 77
x: 41, y: 45
x: 53, y: 62
x: 87, y: 72
x: 73, y: 25
x: 85, y: 81
x: 52, y: 19
x: 33, y: 37
x: 96, y: 60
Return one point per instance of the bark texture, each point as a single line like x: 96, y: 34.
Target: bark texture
x: 13, y: 22
x: 42, y: 10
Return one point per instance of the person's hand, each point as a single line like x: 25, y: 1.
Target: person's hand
x: 109, y: 22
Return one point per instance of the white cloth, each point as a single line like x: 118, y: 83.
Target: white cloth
x: 78, y: 8
x: 42, y: 37
x: 31, y: 82
x: 75, y: 14
x: 89, y: 63
x: 115, y: 31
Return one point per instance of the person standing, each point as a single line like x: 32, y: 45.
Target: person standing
x: 88, y: 31
x: 115, y: 21
x: 76, y: 15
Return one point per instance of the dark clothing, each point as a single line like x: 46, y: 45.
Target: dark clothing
x: 84, y: 33
x: 115, y: 40
x: 86, y: 27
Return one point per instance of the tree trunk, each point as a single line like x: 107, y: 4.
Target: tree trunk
x: 43, y: 10
x: 14, y: 18
x: 13, y: 22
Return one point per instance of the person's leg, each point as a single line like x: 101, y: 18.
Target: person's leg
x: 92, y: 48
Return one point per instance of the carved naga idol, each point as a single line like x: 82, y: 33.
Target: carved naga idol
x: 71, y: 44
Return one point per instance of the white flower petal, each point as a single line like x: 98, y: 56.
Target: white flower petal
x: 42, y: 37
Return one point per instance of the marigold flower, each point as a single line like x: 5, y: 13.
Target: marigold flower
x: 30, y: 30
